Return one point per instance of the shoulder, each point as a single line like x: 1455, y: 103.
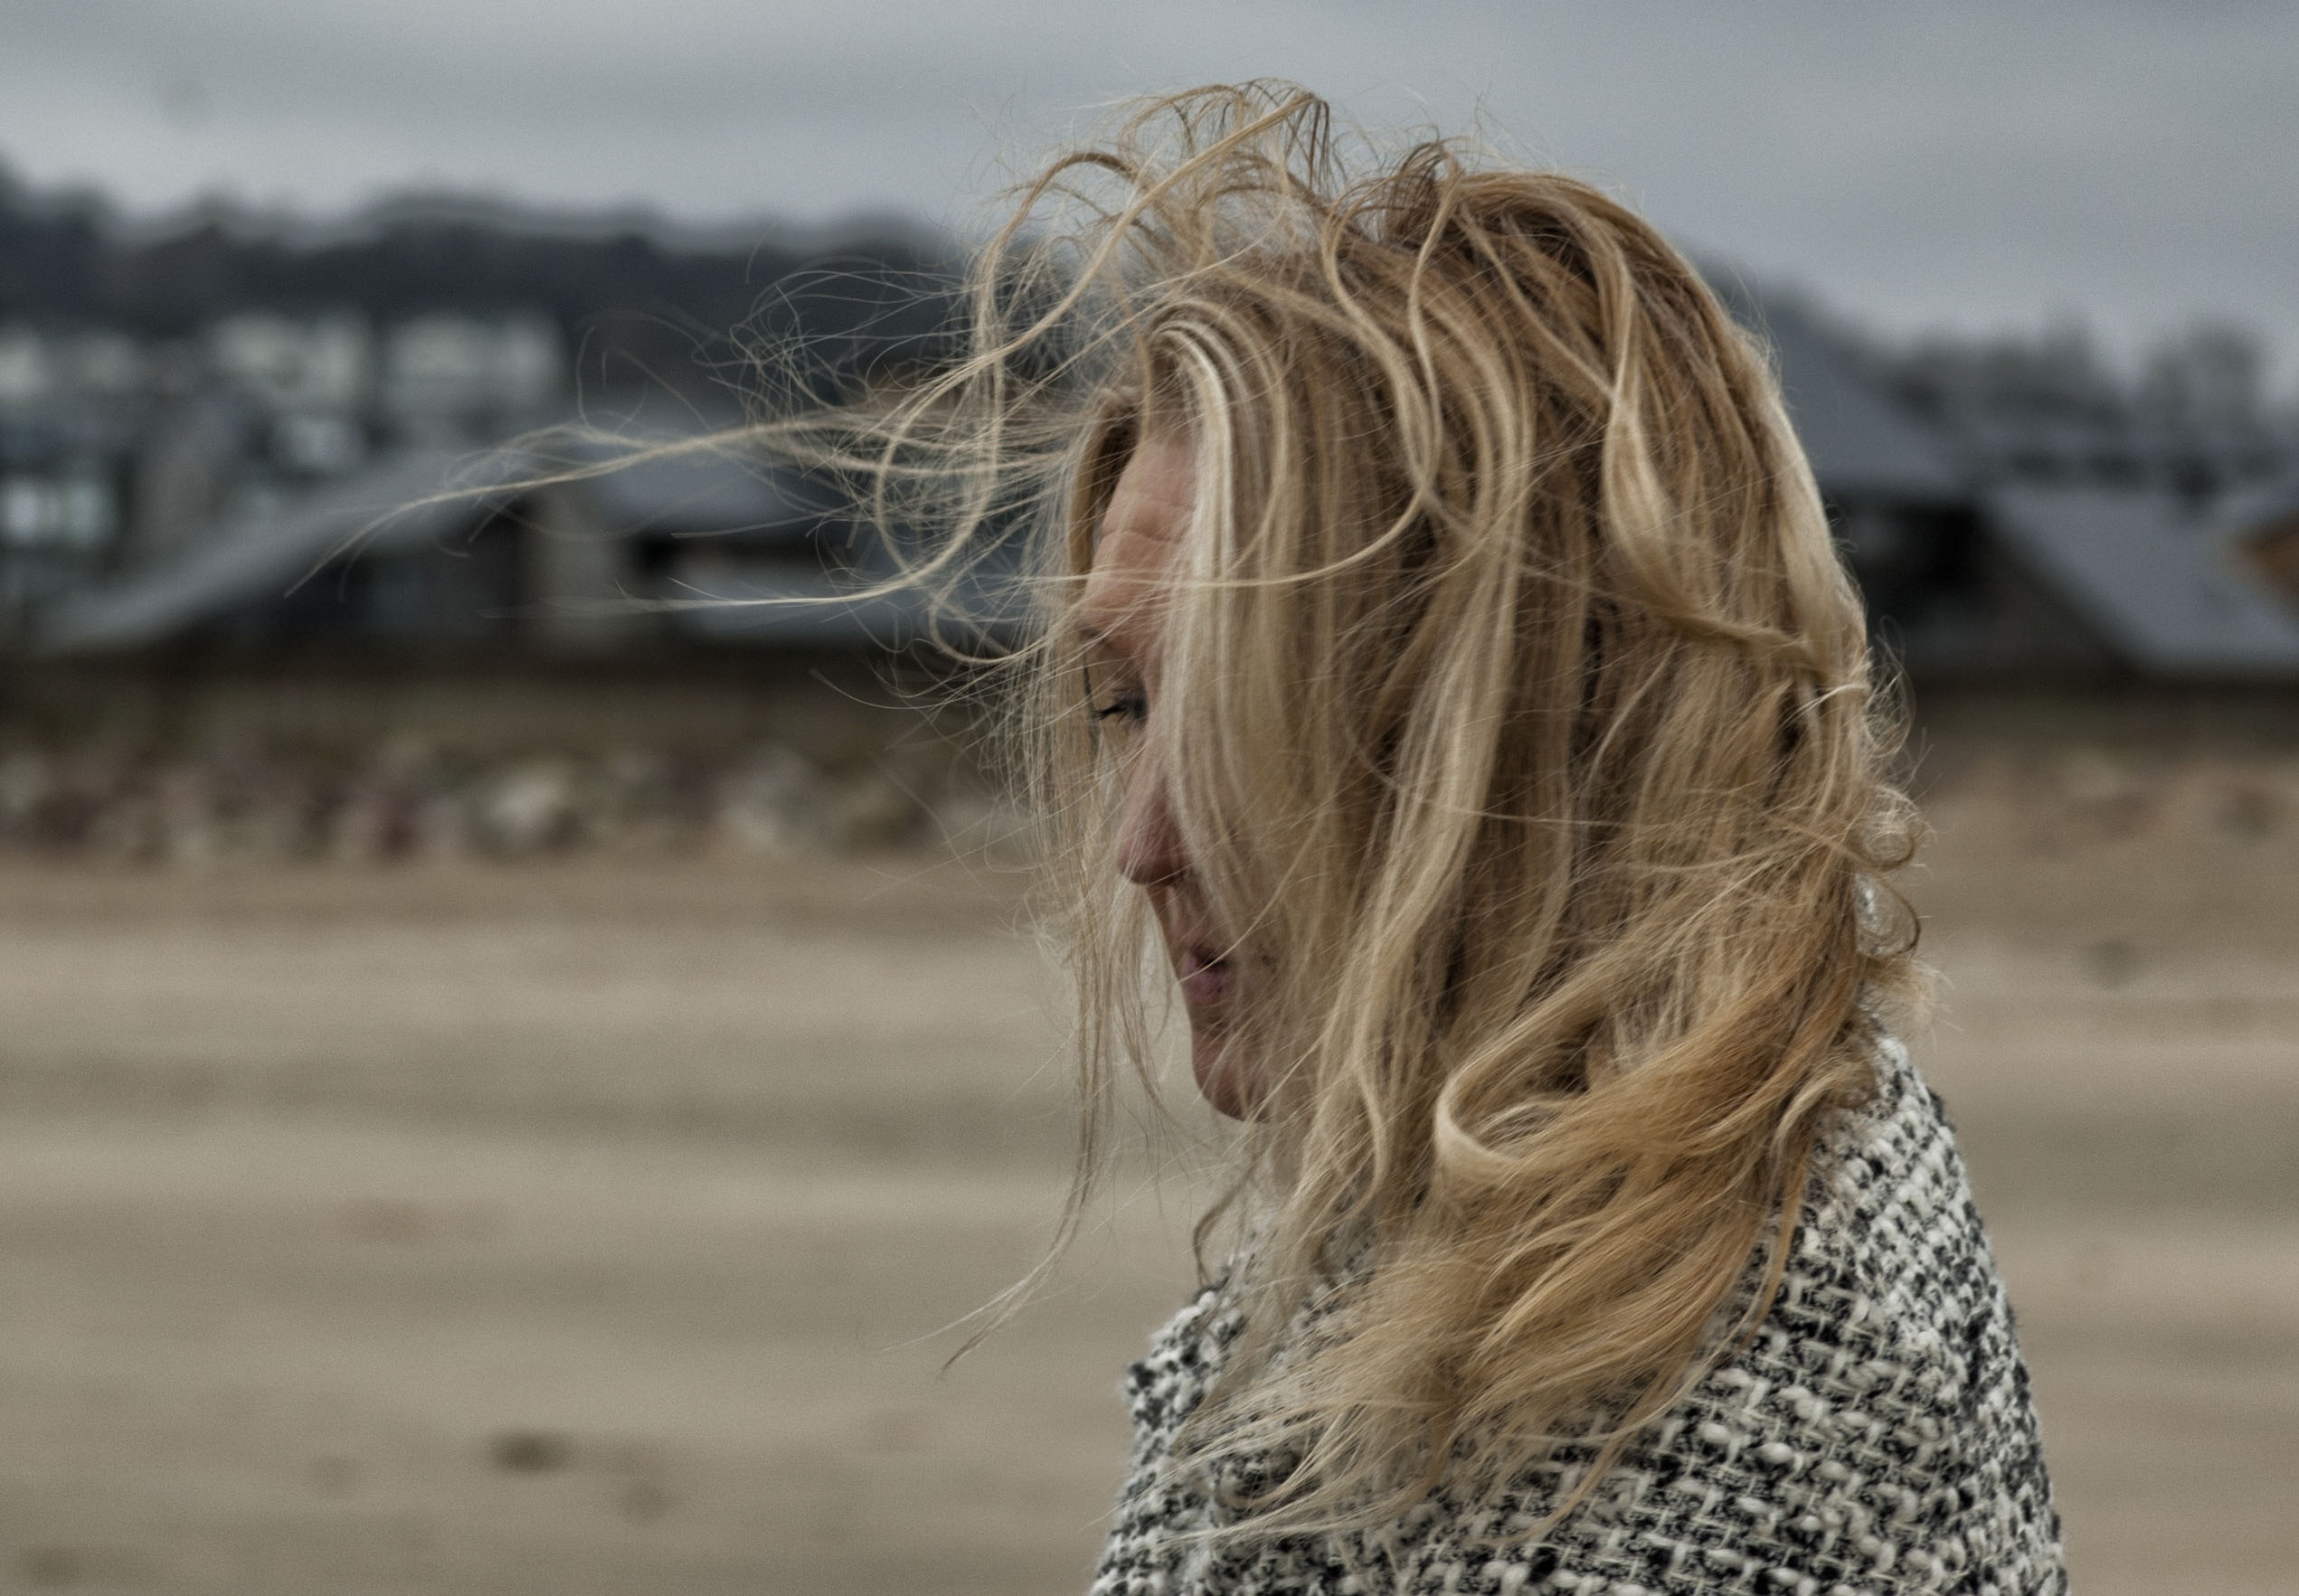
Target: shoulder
x: 1167, y: 1384
x: 1153, y: 1527
x: 1875, y: 1430
x: 1873, y: 1433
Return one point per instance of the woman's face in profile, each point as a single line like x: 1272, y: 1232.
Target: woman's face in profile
x: 1122, y: 620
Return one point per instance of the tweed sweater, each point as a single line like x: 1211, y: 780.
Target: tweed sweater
x: 1874, y: 1436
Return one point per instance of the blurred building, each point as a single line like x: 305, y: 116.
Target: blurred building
x: 431, y: 553
x: 315, y: 450
x: 2051, y: 529
x: 72, y: 413
x: 218, y: 402
x: 119, y: 458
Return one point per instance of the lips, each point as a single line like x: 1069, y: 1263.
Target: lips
x: 1204, y: 978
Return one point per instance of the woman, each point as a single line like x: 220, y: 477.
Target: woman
x: 1450, y: 677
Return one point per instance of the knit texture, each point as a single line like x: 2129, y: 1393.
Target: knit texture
x: 1874, y: 1436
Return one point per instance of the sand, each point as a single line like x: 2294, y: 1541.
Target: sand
x: 596, y: 1226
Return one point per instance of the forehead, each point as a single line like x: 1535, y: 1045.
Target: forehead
x: 1141, y: 532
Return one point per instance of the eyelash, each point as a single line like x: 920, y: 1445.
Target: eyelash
x: 1128, y: 706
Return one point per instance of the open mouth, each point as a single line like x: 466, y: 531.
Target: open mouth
x: 1204, y: 977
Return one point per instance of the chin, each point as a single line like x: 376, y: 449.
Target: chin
x: 1222, y: 1073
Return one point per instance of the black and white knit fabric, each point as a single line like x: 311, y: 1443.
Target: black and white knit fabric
x: 1875, y: 1436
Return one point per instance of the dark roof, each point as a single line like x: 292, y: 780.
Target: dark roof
x: 714, y: 493
x: 429, y: 497
x: 2257, y: 508
x: 409, y: 500
x: 1861, y: 440
x: 2171, y: 594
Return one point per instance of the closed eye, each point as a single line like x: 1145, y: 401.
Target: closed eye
x: 1131, y: 707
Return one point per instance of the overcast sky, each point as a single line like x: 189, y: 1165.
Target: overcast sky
x: 1967, y: 162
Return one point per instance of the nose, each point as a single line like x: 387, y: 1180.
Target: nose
x: 1150, y: 846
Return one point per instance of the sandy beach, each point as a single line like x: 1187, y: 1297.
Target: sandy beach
x: 598, y: 1226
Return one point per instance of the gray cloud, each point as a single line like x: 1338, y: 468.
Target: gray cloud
x: 1963, y: 161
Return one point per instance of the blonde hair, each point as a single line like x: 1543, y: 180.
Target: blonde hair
x: 1515, y: 706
